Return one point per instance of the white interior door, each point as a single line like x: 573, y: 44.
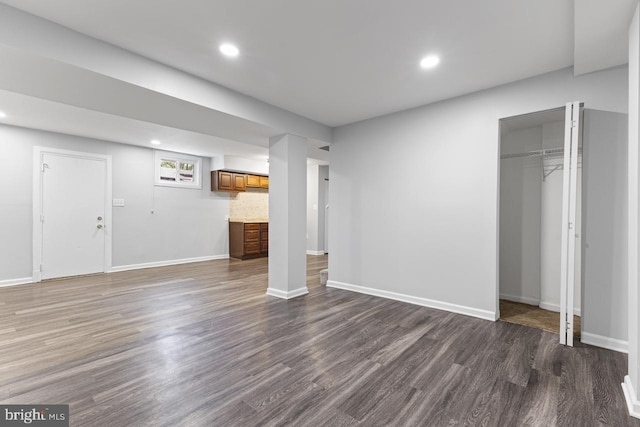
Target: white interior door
x: 73, y: 190
x: 570, y: 231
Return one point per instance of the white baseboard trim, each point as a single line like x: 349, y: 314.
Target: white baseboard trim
x: 454, y: 308
x: 15, y: 282
x: 27, y: 280
x: 287, y: 295
x: 315, y: 252
x: 520, y: 299
x: 166, y: 263
x: 604, y: 342
x: 631, y: 397
x: 556, y: 307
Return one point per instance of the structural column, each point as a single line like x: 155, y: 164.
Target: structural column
x: 632, y: 381
x: 287, y: 216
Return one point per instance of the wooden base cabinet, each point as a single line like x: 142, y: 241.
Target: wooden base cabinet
x: 248, y: 239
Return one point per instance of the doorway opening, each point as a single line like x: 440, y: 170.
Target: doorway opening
x: 540, y: 211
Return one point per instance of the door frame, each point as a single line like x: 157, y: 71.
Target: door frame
x: 38, y: 153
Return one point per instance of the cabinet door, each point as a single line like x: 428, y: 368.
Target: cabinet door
x: 225, y: 181
x: 239, y: 182
x: 251, y: 236
x: 252, y: 248
x: 253, y: 181
x: 264, y: 182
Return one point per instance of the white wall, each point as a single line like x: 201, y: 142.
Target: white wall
x: 313, y: 175
x: 323, y: 200
x: 186, y: 223
x: 520, y: 207
x: 316, y: 200
x: 240, y: 164
x: 551, y: 224
x: 414, y: 195
x: 604, y: 231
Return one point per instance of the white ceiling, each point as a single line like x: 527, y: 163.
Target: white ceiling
x: 335, y: 61
x: 601, y: 34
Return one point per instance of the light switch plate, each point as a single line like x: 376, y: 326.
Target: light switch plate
x: 118, y: 202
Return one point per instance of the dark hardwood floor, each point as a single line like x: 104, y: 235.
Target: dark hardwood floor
x: 202, y: 345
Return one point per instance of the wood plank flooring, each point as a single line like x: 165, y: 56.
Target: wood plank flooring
x: 202, y: 345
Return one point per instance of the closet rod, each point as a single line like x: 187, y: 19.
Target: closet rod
x: 537, y: 153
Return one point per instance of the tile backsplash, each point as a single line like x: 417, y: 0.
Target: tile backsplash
x: 251, y: 205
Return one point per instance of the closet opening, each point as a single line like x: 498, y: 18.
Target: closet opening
x: 537, y: 195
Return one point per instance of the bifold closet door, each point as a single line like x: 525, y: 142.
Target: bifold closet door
x: 569, y: 249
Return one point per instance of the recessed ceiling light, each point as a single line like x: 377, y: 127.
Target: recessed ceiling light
x: 155, y: 142
x: 229, y: 49
x: 429, y: 61
x: 3, y: 114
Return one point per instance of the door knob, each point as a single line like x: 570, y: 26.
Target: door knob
x: 99, y: 218
x: 99, y: 225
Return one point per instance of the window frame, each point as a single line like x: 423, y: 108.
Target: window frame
x: 160, y: 155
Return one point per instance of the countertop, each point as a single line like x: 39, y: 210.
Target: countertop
x: 250, y: 221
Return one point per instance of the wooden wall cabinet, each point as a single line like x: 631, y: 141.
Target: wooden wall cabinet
x: 232, y: 181
x: 248, y: 239
x: 257, y: 181
x: 253, y: 181
x: 228, y: 181
x: 221, y: 181
x: 239, y: 182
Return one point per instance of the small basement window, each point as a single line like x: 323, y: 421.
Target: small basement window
x: 177, y: 170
